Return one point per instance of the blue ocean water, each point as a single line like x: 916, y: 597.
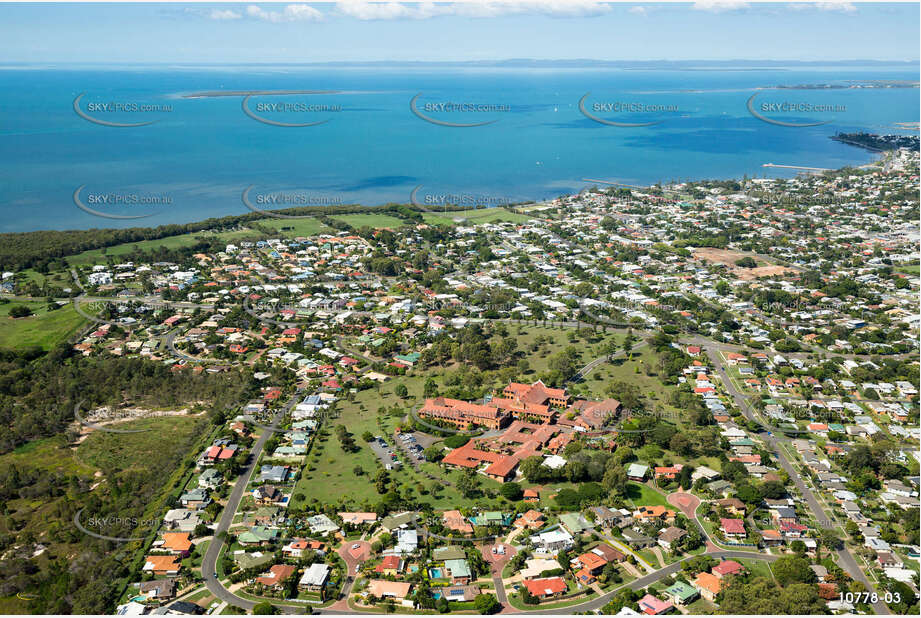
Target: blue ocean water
x: 372, y: 149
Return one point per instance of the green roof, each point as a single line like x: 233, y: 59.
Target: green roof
x: 574, y: 522
x: 258, y: 534
x: 681, y: 591
x: 458, y: 568
x: 392, y: 522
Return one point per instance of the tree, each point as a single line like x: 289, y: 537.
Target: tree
x: 511, y: 491
x: 793, y: 570
x: 401, y: 391
x: 264, y: 609
x: 680, y: 444
x: 762, y: 596
x: 746, y: 262
x: 486, y: 604
x: 615, y: 479
x: 468, y: 484
x: 829, y: 538
x: 748, y: 494
x: 527, y: 598
x: 629, y: 340
x: 20, y: 311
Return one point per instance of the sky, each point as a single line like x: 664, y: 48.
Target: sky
x: 354, y: 30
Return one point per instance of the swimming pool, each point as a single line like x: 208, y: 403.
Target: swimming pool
x: 436, y: 573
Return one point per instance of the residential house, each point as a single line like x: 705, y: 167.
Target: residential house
x: 546, y: 588
x: 315, y: 577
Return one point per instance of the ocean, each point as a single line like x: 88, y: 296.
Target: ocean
x: 366, y: 144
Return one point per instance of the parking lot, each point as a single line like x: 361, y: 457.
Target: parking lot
x: 412, y: 447
x: 386, y: 453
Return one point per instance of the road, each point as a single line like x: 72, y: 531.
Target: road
x: 845, y: 558
x: 209, y: 562
x: 642, y: 582
x: 170, y: 341
x: 580, y: 375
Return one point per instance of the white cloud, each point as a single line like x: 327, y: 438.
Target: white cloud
x: 292, y: 12
x: 719, y: 6
x: 834, y: 5
x: 364, y: 10
x: 222, y: 14
x: 638, y: 10
x: 368, y: 11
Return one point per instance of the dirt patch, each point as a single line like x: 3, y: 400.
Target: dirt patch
x: 728, y: 257
x: 103, y: 417
x: 719, y: 256
x: 747, y: 274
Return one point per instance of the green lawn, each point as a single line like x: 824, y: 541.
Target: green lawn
x: 332, y: 479
x: 701, y: 607
x: 295, y: 227
x: 479, y: 215
x: 370, y: 220
x: 911, y: 269
x: 758, y: 568
x: 634, y: 372
x: 98, y: 256
x: 643, y: 495
x: 44, y: 329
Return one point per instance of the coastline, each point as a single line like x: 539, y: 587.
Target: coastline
x: 245, y: 214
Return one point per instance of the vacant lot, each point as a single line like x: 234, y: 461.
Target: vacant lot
x: 723, y: 256
x: 480, y: 215
x: 98, y: 256
x: 370, y: 220
x: 44, y: 329
x: 292, y: 228
x: 765, y: 268
x: 643, y: 495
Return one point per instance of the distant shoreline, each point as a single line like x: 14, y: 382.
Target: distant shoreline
x: 691, y: 64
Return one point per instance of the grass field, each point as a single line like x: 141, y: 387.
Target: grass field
x: 13, y: 605
x: 643, y: 495
x: 370, y: 220
x: 479, y: 215
x: 60, y: 279
x: 292, y: 228
x: 758, y: 568
x: 98, y: 256
x: 49, y: 454
x: 43, y: 329
x: 911, y: 269
x: 332, y: 479
x: 634, y: 372
x: 119, y: 451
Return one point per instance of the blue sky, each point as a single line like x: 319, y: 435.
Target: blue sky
x: 546, y: 29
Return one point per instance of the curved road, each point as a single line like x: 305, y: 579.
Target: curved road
x: 209, y: 562
x: 599, y: 601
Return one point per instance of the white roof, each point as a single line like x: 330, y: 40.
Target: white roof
x: 315, y: 575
